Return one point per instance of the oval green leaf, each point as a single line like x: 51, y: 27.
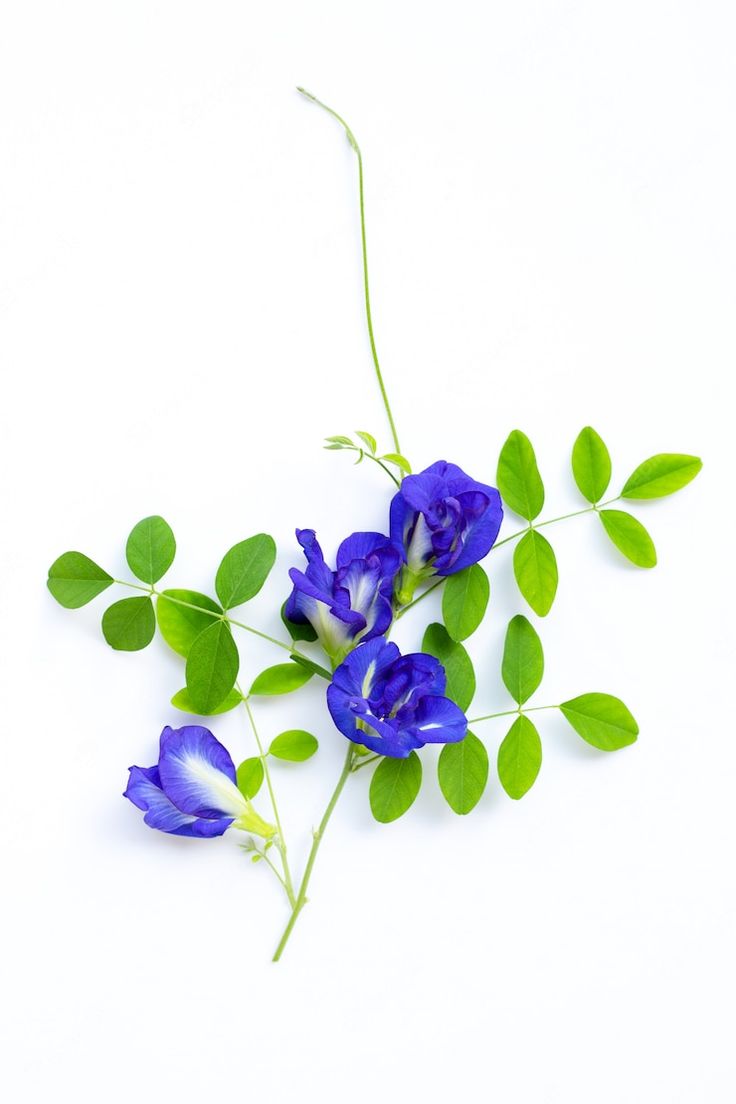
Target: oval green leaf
x: 602, y: 720
x: 297, y: 631
x: 535, y: 569
x: 519, y: 758
x: 456, y: 661
x: 183, y: 700
x: 249, y: 777
x: 244, y: 570
x: 630, y: 537
x: 464, y: 601
x: 518, y: 476
x: 662, y: 475
x: 522, y: 666
x: 296, y: 745
x: 74, y: 580
x: 591, y: 465
x: 150, y: 549
x: 394, y: 786
x: 281, y: 679
x: 212, y: 667
x: 368, y: 439
x: 397, y: 459
x: 463, y: 773
x: 180, y: 625
x: 130, y: 624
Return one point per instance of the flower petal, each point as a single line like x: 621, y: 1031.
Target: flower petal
x: 359, y: 546
x: 144, y: 790
x: 439, y: 721
x: 198, y: 775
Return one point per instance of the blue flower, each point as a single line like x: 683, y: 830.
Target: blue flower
x: 392, y: 703
x: 191, y: 791
x: 444, y: 521
x: 350, y: 604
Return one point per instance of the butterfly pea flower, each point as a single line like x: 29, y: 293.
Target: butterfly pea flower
x: 444, y: 521
x: 352, y: 603
x: 191, y: 791
x: 393, y: 703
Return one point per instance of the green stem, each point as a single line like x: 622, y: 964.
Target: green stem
x: 301, y: 899
x: 281, y: 844
x: 369, y: 319
x: 290, y: 648
x: 423, y: 595
x: 365, y: 762
x: 512, y: 713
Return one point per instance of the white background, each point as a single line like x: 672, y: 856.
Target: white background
x: 551, y: 227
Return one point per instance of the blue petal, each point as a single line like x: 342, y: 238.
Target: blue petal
x: 198, y: 775
x: 359, y: 546
x: 144, y: 790
x: 400, y: 518
x: 368, y: 662
x: 480, y: 536
x: 439, y: 721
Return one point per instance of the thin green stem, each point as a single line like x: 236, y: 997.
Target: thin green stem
x: 422, y: 596
x: 281, y: 843
x: 511, y: 713
x: 290, y: 648
x: 369, y: 318
x: 301, y: 899
x: 365, y: 762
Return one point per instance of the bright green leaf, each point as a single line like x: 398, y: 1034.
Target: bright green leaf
x: 602, y: 720
x: 464, y: 601
x: 310, y: 665
x: 591, y: 465
x: 150, y: 549
x: 296, y: 745
x: 630, y: 537
x: 249, y: 777
x: 75, y: 579
x: 661, y: 475
x: 281, y: 679
x: 519, y: 758
x: 368, y: 439
x: 212, y: 667
x: 397, y: 459
x: 130, y: 624
x: 456, y: 661
x: 297, y: 631
x: 535, y: 568
x: 522, y: 666
x: 463, y: 772
x: 180, y: 625
x: 244, y: 570
x: 518, y: 476
x: 340, y: 442
x: 183, y: 700
x: 394, y: 786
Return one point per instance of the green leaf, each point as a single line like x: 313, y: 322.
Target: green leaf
x: 181, y: 625
x: 183, y: 700
x: 150, y: 549
x: 296, y: 745
x: 340, y: 442
x: 297, y: 631
x: 591, y: 465
x: 661, y: 475
x: 368, y: 439
x: 455, y: 660
x: 630, y: 537
x: 602, y: 720
x: 249, y: 777
x: 397, y: 459
x: 463, y: 772
x: 310, y: 665
x: 464, y: 601
x: 75, y: 579
x: 394, y: 786
x: 130, y: 624
x: 535, y: 568
x: 244, y: 570
x: 518, y: 476
x: 212, y: 667
x: 519, y: 758
x: 522, y: 666
x: 281, y: 679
